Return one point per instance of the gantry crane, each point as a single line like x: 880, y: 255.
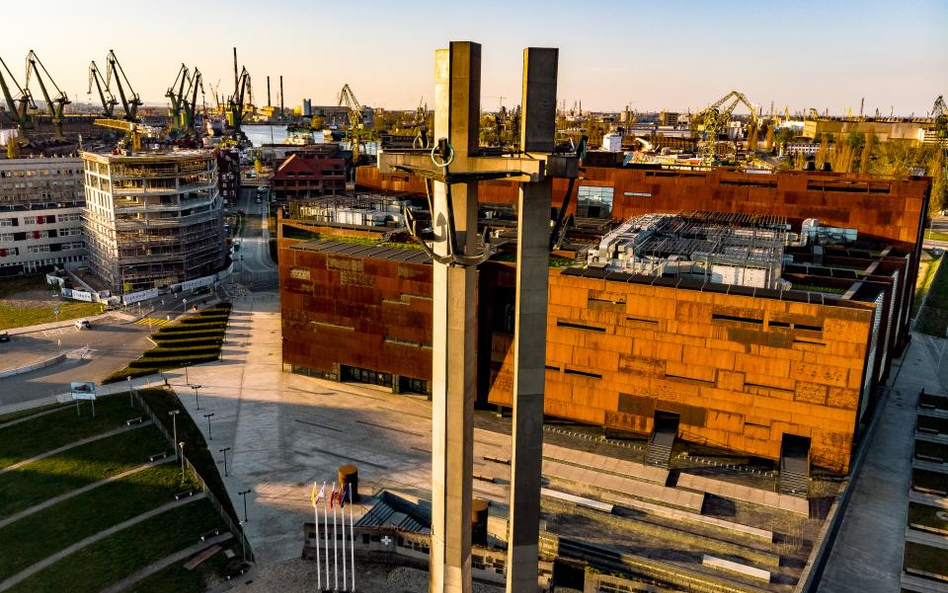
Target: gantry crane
x: 183, y: 96
x: 105, y: 93
x: 190, y: 106
x: 129, y: 98
x: 240, y: 101
x: 18, y: 108
x: 715, y: 118
x: 57, y: 104
x: 939, y: 108
x: 357, y: 133
x: 134, y: 131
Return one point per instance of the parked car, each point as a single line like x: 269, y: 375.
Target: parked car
x: 4, y: 336
x: 83, y: 324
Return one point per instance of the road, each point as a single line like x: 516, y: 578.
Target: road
x: 939, y: 225
x: 254, y: 268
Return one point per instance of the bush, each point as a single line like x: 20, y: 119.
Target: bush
x: 135, y: 373
x: 185, y: 333
x: 203, y: 320
x: 162, y: 352
x: 211, y: 340
x: 171, y: 362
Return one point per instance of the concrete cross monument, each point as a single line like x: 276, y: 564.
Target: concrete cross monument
x: 454, y: 166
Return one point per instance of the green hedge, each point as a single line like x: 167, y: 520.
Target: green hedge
x: 186, y: 333
x: 135, y: 373
x: 171, y: 361
x: 178, y: 352
x: 184, y: 343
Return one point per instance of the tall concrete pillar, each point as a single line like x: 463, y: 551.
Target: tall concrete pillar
x: 533, y: 237
x: 457, y: 112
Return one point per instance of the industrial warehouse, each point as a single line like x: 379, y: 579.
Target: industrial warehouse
x: 761, y: 334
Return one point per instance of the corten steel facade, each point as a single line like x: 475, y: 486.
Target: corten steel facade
x: 741, y: 367
x: 892, y: 210
x: 740, y: 371
x: 350, y: 308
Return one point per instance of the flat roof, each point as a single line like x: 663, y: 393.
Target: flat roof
x: 358, y: 250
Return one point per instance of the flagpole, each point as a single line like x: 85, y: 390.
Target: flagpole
x: 345, y: 577
x: 335, y: 543
x: 319, y: 578
x: 326, y: 530
x: 352, y: 541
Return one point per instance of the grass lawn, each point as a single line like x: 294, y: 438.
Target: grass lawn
x: 161, y: 401
x: 926, y: 558
x: 97, y: 566
x: 929, y: 449
x: 930, y: 480
x: 926, y: 273
x: 35, y: 537
x: 28, y: 300
x: 927, y: 516
x: 936, y: 236
x: 28, y: 439
x: 24, y: 413
x: 933, y: 319
x: 177, y: 578
x: 52, y: 476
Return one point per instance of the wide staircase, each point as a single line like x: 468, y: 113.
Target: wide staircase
x: 661, y: 443
x: 794, y: 471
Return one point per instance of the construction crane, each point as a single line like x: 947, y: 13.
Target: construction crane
x: 133, y: 130
x: 56, y: 105
x: 357, y: 133
x: 716, y: 117
x: 130, y: 99
x: 18, y: 108
x: 190, y: 106
x: 105, y: 93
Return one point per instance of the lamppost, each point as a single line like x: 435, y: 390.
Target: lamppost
x: 130, y: 403
x: 208, y: 416
x: 243, y: 494
x: 174, y: 425
x: 187, y: 380
x: 184, y: 307
x: 197, y: 398
x: 181, y: 446
x: 224, y: 451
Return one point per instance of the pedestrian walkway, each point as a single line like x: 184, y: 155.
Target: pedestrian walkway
x: 153, y: 321
x: 867, y: 554
x: 78, y: 443
x: 166, y: 562
x: 66, y: 496
x: 50, y: 560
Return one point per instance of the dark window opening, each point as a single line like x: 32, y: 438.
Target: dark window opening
x: 368, y: 376
x: 718, y: 317
x: 582, y: 373
x: 580, y: 326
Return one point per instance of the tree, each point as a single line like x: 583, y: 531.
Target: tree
x: 770, y: 137
x: 936, y: 168
x: 856, y: 140
x: 822, y: 153
x: 866, y: 156
x: 784, y: 135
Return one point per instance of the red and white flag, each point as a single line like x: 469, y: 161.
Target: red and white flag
x: 332, y: 497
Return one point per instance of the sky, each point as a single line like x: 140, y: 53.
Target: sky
x: 649, y: 55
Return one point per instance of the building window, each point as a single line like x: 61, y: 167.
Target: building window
x: 369, y: 376
x: 594, y: 202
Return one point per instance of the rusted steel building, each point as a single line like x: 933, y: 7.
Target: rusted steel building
x: 751, y: 369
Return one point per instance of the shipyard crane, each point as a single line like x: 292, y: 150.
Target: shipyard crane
x: 18, y: 109
x: 190, y: 106
x: 357, y: 133
x: 175, y: 94
x: 106, y: 97
x: 939, y: 109
x: 129, y: 98
x: 716, y: 117
x: 240, y: 101
x: 56, y: 105
x: 133, y: 130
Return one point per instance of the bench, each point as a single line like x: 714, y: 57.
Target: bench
x: 211, y: 533
x: 136, y: 420
x: 157, y: 456
x: 200, y: 558
x: 183, y: 494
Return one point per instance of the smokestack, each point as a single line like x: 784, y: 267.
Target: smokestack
x: 281, y: 96
x: 268, y: 92
x: 236, y: 76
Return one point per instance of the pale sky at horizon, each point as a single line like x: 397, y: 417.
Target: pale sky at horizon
x: 650, y: 55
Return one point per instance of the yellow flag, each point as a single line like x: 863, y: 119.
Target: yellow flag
x: 312, y: 497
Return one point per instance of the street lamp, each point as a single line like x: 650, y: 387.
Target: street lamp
x: 224, y: 451
x: 243, y: 494
x: 181, y: 446
x: 208, y: 416
x: 174, y: 425
x: 187, y: 380
x: 185, y: 305
x: 130, y: 403
x: 197, y: 398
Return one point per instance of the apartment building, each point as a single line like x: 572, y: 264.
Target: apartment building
x: 41, y: 203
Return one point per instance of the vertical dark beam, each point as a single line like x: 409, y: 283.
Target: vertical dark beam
x: 537, y: 129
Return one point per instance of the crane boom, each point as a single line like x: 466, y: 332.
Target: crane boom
x: 175, y: 94
x: 106, y: 97
x: 130, y: 99
x: 939, y: 108
x: 57, y: 104
x: 19, y: 106
x: 714, y: 118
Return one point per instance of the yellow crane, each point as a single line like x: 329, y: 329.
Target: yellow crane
x: 716, y: 117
